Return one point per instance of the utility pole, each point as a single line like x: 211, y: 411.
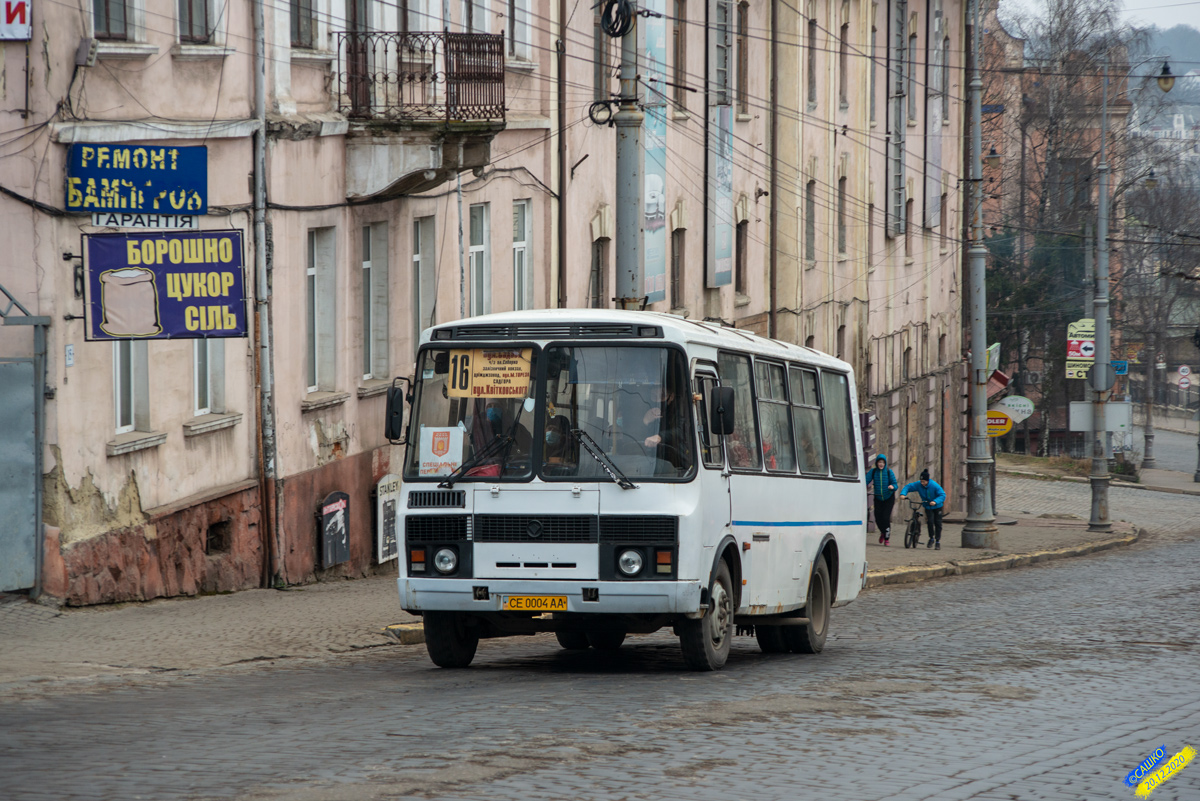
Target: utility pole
x: 980, y: 528
x: 1100, y: 375
x: 630, y: 173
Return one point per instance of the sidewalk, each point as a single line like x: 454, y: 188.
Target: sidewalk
x: 86, y: 646
x: 1172, y: 481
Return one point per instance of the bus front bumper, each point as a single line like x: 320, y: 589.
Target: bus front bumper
x: 612, y: 597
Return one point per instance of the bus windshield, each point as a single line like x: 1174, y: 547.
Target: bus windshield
x: 633, y: 404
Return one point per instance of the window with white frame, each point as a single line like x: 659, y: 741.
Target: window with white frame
x: 424, y: 280
x: 598, y: 282
x: 374, y: 288
x: 475, y: 16
x: 481, y: 278
x: 519, y: 32
x: 911, y: 78
x: 320, y: 303
x: 522, y: 263
x: 131, y: 385
x: 110, y: 19
x: 194, y: 24
x: 304, y: 23
x: 208, y: 376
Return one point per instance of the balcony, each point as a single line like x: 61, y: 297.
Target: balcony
x: 452, y: 79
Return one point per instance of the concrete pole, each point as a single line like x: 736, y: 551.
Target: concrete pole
x: 980, y: 528
x: 630, y: 216
x: 1148, y: 460
x: 1100, y: 477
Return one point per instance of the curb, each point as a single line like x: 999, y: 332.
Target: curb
x: 414, y: 633
x: 906, y: 575
x: 1082, y: 480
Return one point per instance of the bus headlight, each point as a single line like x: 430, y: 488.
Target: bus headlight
x: 630, y: 562
x: 445, y: 560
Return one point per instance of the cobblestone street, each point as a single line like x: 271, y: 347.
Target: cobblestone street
x: 1049, y: 682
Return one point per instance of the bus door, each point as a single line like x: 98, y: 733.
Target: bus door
x: 713, y: 477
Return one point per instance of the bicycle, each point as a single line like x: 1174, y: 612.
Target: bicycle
x: 912, y: 535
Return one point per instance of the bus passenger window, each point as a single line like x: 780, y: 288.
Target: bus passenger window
x: 742, y: 445
x: 842, y: 459
x: 773, y: 417
x: 806, y: 417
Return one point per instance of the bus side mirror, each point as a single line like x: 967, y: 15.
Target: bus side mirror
x: 398, y: 395
x: 721, y: 403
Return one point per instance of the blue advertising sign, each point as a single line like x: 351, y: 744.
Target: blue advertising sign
x: 1120, y: 366
x: 170, y: 285
x: 146, y: 178
x: 654, y: 128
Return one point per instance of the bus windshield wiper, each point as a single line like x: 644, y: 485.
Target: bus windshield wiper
x: 596, y: 452
x: 490, y: 449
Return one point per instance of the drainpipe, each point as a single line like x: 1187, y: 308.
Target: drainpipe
x: 267, y: 449
x: 561, y: 54
x: 774, y: 145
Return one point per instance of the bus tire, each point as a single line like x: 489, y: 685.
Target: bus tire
x: 572, y: 640
x: 770, y: 639
x: 810, y: 638
x: 451, y: 643
x: 706, y: 642
x: 606, y: 639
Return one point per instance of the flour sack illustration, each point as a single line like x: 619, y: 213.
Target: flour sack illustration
x: 129, y: 298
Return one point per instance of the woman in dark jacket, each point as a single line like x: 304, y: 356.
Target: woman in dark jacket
x: 882, y: 481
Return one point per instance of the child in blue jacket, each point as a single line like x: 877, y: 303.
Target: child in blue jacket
x: 934, y: 499
x: 883, y: 483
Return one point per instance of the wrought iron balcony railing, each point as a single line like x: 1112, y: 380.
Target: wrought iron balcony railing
x: 421, y: 76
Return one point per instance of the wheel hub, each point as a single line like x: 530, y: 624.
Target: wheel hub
x: 722, y: 612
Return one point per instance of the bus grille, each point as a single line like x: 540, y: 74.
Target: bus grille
x: 435, y: 528
x: 437, y: 499
x: 530, y: 528
x: 648, y: 529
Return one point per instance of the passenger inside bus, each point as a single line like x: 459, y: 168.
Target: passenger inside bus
x: 492, y: 418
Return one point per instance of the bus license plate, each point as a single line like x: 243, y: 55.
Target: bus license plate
x: 535, y: 603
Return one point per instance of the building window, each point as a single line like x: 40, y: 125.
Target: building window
x: 870, y: 241
x: 911, y: 78
x: 678, y: 256
x: 321, y: 288
x: 874, y: 58
x: 208, y: 376
x: 844, y: 68
x: 193, y: 21
x: 721, y: 62
x: 841, y: 342
x: 480, y: 261
x: 812, y: 62
x: 424, y: 281
x: 304, y: 24
x: 810, y: 342
x: 945, y: 220
x: 598, y: 284
x: 908, y: 238
x: 375, y: 300
x: 841, y: 216
x: 131, y: 385
x: 110, y: 19
x: 522, y: 266
x: 601, y: 70
x: 475, y: 16
x: 810, y: 221
x: 519, y: 40
x: 743, y: 58
x: 906, y: 365
x: 679, y: 67
x: 739, y: 257
x: 946, y: 79
x: 942, y: 349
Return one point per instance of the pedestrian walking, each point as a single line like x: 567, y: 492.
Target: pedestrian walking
x: 933, y: 499
x: 882, y: 482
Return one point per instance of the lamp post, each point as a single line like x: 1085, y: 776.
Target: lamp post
x: 980, y: 528
x: 1196, y: 475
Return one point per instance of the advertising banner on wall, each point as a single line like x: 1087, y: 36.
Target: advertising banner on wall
x: 387, y: 500
x: 162, y: 179
x: 335, y: 529
x: 178, y: 285
x: 654, y: 130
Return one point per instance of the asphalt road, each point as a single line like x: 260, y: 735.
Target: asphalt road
x: 1049, y: 682
x: 1172, y: 450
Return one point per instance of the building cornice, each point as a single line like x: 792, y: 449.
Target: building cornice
x: 106, y: 131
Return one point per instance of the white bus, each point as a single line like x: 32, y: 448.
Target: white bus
x: 599, y: 473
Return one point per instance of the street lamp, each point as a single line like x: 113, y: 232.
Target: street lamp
x: 1151, y: 180
x: 992, y: 159
x: 1166, y: 81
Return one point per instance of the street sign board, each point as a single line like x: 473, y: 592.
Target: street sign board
x: 1082, y: 329
x: 1185, y: 382
x: 1133, y: 354
x: 1117, y: 415
x: 16, y: 21
x: 1081, y: 349
x: 1184, y: 370
x: 1120, y: 367
x: 1078, y: 368
x: 387, y: 500
x: 123, y: 219
x: 998, y: 423
x: 1017, y: 407
x: 152, y: 179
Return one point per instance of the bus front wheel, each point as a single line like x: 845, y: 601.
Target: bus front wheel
x: 573, y: 640
x: 810, y: 637
x: 451, y: 643
x: 706, y: 642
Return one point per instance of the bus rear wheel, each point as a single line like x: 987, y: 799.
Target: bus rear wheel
x: 572, y: 640
x: 706, y: 642
x: 770, y: 639
x: 451, y: 643
x: 810, y: 637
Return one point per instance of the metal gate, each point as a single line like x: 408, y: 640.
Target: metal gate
x: 22, y: 385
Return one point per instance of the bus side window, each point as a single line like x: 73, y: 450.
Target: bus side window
x: 710, y: 444
x: 806, y: 417
x: 842, y: 458
x: 773, y: 417
x: 742, y: 445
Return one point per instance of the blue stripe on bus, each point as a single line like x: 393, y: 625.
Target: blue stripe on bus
x: 798, y: 523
